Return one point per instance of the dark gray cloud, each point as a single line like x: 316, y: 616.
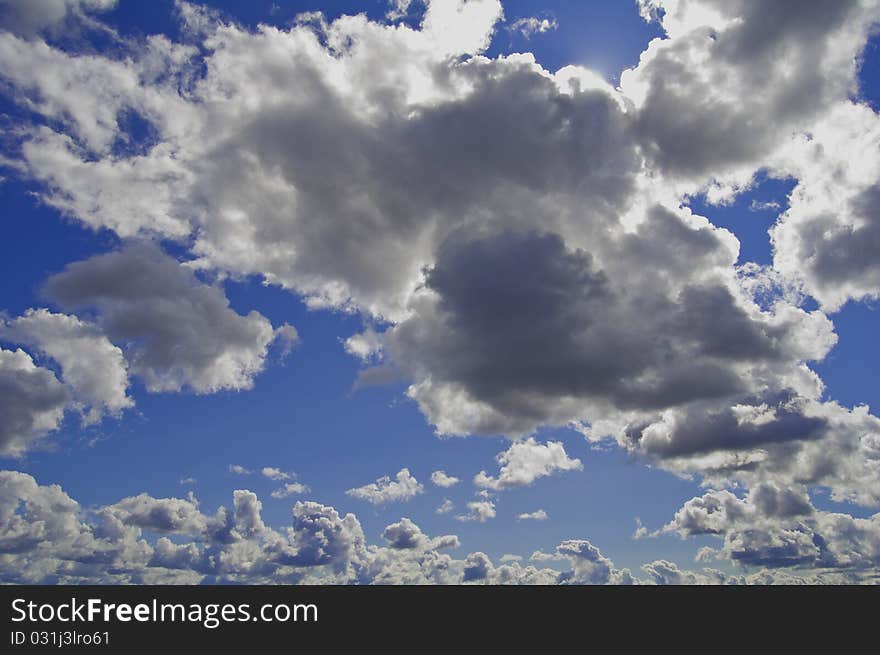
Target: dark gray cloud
x: 701, y: 429
x: 521, y: 323
x: 175, y: 331
x: 32, y: 402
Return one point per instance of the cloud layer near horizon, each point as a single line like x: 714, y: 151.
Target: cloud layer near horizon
x: 47, y: 537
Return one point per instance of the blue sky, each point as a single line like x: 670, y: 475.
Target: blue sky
x: 305, y: 413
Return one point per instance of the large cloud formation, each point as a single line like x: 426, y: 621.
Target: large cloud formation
x: 522, y: 235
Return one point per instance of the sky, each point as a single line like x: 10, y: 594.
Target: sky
x: 439, y: 292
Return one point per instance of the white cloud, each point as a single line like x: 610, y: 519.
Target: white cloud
x: 478, y: 510
x: 589, y: 565
x: 91, y: 366
x: 541, y: 556
x: 664, y: 572
x: 237, y: 469
x: 441, y: 479
x: 537, y: 515
x: 445, y: 507
x: 828, y: 238
x: 275, y: 474
x: 777, y: 527
x: 366, y: 346
x: 770, y: 205
x: 406, y: 535
x: 290, y: 489
x: 533, y: 25
x: 786, y: 66
x: 166, y: 515
x: 32, y: 402
x: 384, y: 490
x: 526, y: 461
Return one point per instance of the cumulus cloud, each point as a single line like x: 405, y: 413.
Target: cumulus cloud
x: 479, y: 511
x: 526, y: 461
x: 167, y: 515
x: 509, y: 362
x: 32, y: 402
x: 404, y: 534
x: 777, y: 527
x: 398, y: 9
x: 445, y: 507
x: 366, y: 346
x: 385, y: 490
x: 237, y: 469
x: 537, y: 515
x: 589, y: 565
x: 829, y: 237
x: 93, y: 377
x: 176, y: 331
x: 91, y: 366
x: 290, y: 489
x: 664, y: 572
x: 322, y: 537
x: 228, y: 181
x: 698, y: 127
x: 47, y: 537
x: 441, y: 479
x: 275, y: 474
x: 35, y: 517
